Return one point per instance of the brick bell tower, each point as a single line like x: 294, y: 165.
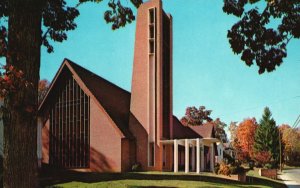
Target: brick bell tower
x: 151, y: 92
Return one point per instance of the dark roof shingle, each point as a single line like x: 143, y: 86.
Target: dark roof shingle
x: 180, y: 131
x: 205, y: 130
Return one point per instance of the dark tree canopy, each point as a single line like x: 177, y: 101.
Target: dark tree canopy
x: 220, y: 130
x: 26, y: 25
x: 201, y: 117
x: 58, y: 18
x: 194, y: 116
x: 263, y: 31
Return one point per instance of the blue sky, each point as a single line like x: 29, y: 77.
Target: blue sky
x: 205, y: 70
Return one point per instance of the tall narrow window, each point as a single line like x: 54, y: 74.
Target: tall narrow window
x: 152, y: 15
x: 152, y: 46
x: 69, y: 128
x: 152, y: 30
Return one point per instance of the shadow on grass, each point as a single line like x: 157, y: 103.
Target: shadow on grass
x: 262, y: 181
x: 170, y: 187
x: 49, y: 177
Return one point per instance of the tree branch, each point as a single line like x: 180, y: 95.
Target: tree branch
x: 288, y: 40
x: 45, y: 34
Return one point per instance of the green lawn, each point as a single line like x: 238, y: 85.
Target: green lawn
x: 149, y: 179
x: 254, y: 173
x: 155, y: 183
x: 286, y: 167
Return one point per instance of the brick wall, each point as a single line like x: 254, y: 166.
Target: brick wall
x: 269, y: 173
x: 45, y: 142
x: 141, y: 138
x: 128, y: 154
x: 105, y: 142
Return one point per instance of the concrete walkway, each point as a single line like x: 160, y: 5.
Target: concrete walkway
x: 290, y: 177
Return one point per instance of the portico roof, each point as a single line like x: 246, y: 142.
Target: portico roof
x: 205, y: 141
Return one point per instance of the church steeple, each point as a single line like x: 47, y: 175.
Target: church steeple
x: 151, y: 92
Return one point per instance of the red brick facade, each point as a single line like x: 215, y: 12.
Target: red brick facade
x: 151, y: 92
x: 105, y: 142
x: 110, y: 148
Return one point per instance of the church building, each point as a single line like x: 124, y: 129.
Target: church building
x: 90, y: 124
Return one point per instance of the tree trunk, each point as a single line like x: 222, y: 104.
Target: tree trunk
x: 20, y: 119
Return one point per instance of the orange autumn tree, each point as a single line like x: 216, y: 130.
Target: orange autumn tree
x: 245, y: 139
x: 42, y: 89
x: 291, y: 146
x: 284, y: 141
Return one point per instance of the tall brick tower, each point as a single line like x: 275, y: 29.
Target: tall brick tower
x: 151, y: 92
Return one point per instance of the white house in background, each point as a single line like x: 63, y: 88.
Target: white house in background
x: 229, y: 149
x: 220, y: 149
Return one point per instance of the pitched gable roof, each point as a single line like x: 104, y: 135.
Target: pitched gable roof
x: 202, y: 131
x: 205, y: 130
x: 180, y: 131
x: 114, y: 100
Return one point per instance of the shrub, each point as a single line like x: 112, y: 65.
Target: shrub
x: 268, y: 166
x: 217, y: 167
x: 224, y: 169
x: 233, y: 169
x: 236, y: 169
x: 258, y: 165
x: 228, y: 158
x: 240, y: 170
x: 136, y: 167
x: 237, y: 163
x: 251, y: 165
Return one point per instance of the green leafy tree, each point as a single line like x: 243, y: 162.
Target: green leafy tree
x: 267, y: 137
x: 26, y: 25
x: 201, y: 116
x: 220, y: 132
x: 263, y: 30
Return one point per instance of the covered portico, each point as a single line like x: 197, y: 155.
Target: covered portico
x: 197, y: 153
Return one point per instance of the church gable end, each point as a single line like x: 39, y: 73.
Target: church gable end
x: 69, y: 127
x: 79, y: 118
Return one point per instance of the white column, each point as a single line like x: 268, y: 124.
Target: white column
x: 187, y: 148
x: 175, y: 155
x: 202, y: 157
x: 198, y: 155
x: 193, y: 159
x: 212, y: 157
